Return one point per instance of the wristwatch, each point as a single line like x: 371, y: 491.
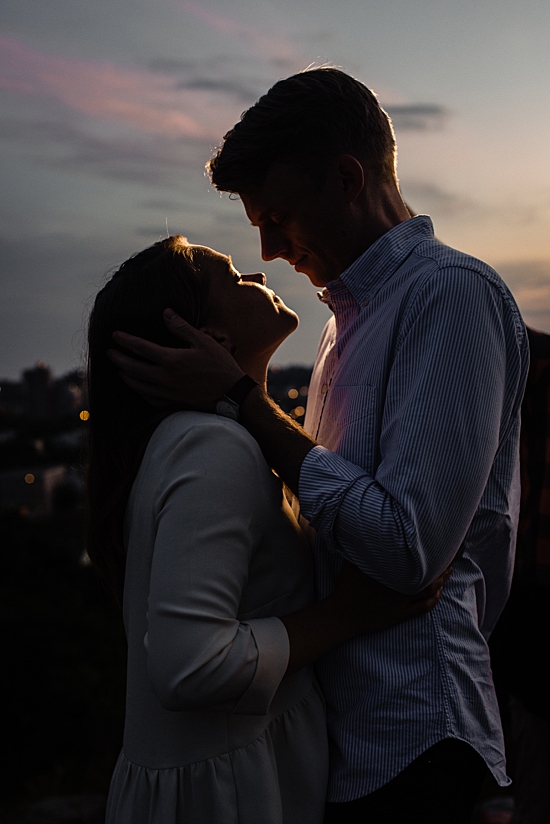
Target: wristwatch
x: 229, y: 404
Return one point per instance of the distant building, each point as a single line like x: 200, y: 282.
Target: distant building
x: 31, y: 490
x: 289, y: 387
x: 40, y: 397
x: 13, y: 399
x: 69, y: 394
x: 40, y: 481
x: 38, y: 384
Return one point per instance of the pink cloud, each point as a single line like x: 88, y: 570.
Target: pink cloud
x: 146, y: 100
x: 260, y: 42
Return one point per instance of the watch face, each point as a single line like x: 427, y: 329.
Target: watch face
x: 227, y: 409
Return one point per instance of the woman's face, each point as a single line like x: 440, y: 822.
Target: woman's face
x: 252, y: 316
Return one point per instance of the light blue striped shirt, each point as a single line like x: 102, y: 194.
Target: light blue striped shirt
x: 415, y: 400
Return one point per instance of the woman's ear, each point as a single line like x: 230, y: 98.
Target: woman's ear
x: 220, y: 337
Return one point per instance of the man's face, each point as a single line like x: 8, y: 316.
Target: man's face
x: 300, y: 221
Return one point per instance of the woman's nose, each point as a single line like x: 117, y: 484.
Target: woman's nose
x: 257, y: 277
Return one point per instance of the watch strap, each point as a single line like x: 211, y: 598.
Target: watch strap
x: 241, y: 389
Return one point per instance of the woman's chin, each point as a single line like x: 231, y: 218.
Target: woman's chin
x: 291, y: 323
x: 293, y: 319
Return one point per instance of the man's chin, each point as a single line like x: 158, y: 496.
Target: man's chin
x: 317, y: 279
x: 300, y: 265
x: 310, y: 271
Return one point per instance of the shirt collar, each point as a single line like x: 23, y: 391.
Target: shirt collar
x: 366, y: 274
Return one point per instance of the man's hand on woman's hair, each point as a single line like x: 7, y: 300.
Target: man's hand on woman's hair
x: 191, y: 378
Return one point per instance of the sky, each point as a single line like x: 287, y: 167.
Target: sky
x: 109, y: 110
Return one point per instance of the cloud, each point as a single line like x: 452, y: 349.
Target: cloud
x: 160, y: 203
x: 418, y: 117
x: 529, y: 209
x: 131, y: 124
x: 529, y: 282
x: 221, y: 74
x: 273, y: 46
x: 425, y: 197
x: 321, y: 36
x: 64, y: 145
x: 48, y: 283
x: 168, y: 65
x: 237, y: 88
x: 144, y: 124
x: 153, y: 233
x: 103, y: 90
x: 213, y: 63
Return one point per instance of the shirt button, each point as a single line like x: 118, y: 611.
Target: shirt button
x: 324, y: 388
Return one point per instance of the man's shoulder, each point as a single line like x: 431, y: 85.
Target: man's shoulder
x: 442, y: 275
x: 446, y: 267
x: 447, y: 259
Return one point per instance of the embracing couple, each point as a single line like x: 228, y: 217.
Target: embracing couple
x: 239, y: 661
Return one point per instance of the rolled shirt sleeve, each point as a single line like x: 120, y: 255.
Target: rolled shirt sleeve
x: 451, y: 402
x: 212, y: 510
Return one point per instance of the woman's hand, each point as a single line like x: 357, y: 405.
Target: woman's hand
x: 359, y: 604
x: 371, y: 606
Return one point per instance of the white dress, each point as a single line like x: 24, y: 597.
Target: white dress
x: 214, y: 734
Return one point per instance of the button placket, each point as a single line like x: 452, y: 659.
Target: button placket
x: 326, y: 381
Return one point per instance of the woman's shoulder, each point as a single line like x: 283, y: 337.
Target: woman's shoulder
x: 204, y: 425
x: 190, y: 436
x: 203, y: 452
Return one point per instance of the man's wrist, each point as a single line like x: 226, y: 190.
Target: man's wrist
x: 241, y: 389
x: 229, y: 404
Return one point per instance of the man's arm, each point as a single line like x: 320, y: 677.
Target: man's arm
x: 445, y: 403
x: 451, y: 403
x: 196, y: 377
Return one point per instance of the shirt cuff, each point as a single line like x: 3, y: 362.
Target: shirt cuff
x: 324, y: 480
x: 273, y: 646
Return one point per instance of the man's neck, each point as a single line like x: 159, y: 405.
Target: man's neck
x: 378, y: 214
x: 368, y: 220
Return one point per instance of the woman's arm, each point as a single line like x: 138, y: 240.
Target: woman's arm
x: 212, y: 508
x: 359, y: 605
x: 211, y: 513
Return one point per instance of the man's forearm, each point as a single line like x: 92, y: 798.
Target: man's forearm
x: 282, y: 441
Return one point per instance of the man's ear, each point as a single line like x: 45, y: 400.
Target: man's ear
x: 351, y: 176
x: 220, y: 337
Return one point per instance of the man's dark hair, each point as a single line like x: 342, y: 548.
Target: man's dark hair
x: 307, y: 119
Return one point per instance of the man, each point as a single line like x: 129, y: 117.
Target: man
x: 411, y: 458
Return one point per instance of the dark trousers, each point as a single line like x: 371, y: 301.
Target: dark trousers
x: 441, y: 786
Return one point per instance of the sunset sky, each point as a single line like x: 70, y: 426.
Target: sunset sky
x: 109, y: 110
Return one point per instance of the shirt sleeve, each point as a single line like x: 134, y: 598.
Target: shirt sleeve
x: 452, y: 399
x: 212, y: 511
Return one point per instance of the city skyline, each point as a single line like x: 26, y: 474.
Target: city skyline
x: 110, y: 111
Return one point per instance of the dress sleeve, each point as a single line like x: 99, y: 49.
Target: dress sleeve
x: 212, y: 509
x: 451, y: 402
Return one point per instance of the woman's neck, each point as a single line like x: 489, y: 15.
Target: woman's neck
x: 256, y: 367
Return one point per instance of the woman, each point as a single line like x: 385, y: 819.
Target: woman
x: 224, y: 719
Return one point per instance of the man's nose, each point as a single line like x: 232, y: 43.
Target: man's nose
x: 273, y: 243
x: 257, y: 277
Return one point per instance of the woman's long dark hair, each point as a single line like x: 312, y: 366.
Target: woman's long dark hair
x: 121, y: 422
